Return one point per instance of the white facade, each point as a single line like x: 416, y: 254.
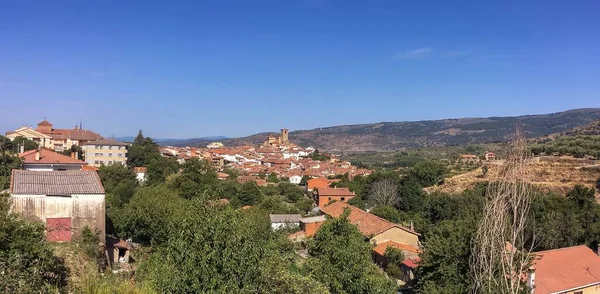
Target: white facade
x: 140, y: 176
x: 51, y: 167
x: 295, y: 179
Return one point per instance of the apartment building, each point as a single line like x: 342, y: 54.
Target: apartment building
x: 58, y: 139
x: 105, y: 152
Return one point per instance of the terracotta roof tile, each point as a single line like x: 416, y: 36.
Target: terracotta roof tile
x: 566, y: 268
x: 48, y: 157
x: 335, y: 192
x: 368, y: 224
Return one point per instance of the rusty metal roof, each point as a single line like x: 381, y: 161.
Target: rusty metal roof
x: 24, y: 182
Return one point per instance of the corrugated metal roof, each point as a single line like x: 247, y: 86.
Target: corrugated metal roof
x: 24, y: 182
x: 285, y: 218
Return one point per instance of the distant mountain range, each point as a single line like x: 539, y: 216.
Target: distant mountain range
x: 397, y: 135
x: 176, y: 142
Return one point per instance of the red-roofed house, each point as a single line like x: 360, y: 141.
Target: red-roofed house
x: 328, y: 195
x: 373, y: 227
x: 43, y: 159
x: 573, y: 270
x: 317, y: 183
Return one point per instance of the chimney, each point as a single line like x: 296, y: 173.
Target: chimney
x: 412, y: 226
x: 37, y: 155
x: 21, y: 148
x: 73, y: 155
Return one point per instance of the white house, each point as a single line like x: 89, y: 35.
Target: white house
x: 295, y: 179
x: 66, y: 201
x: 140, y: 173
x: 279, y: 221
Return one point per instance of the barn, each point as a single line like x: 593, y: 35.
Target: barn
x: 66, y: 201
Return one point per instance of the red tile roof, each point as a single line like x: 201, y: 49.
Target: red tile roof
x: 45, y: 123
x: 368, y: 224
x: 48, y: 157
x: 566, y: 268
x: 335, y: 192
x: 412, y: 263
x: 140, y: 169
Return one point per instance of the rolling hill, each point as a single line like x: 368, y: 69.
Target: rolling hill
x: 397, y: 135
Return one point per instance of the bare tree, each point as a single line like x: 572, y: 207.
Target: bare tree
x: 384, y: 193
x: 500, y: 260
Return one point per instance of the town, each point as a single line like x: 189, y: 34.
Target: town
x: 70, y: 180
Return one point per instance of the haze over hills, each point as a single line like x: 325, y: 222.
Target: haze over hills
x: 397, y: 135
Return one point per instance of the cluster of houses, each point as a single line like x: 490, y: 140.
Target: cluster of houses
x: 276, y: 156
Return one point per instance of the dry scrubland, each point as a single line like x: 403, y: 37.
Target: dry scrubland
x: 556, y: 174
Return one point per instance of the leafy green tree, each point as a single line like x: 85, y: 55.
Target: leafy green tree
x: 388, y: 213
x: 5, y: 145
x: 76, y: 149
x: 340, y: 258
x: 8, y: 162
x: 358, y: 202
x: 394, y: 257
x: 249, y: 194
x: 197, y: 178
x: 316, y: 155
x: 428, y: 173
x: 22, y: 141
x: 582, y: 195
x: 142, y: 151
x: 272, y: 177
x: 291, y: 192
x: 444, y: 265
x: 27, y: 262
x: 147, y: 216
x: 159, y: 169
x: 411, y: 195
x: 484, y: 170
x: 119, y: 184
x: 218, y: 249
x: 304, y: 179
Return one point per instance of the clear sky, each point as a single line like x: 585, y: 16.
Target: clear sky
x: 181, y: 69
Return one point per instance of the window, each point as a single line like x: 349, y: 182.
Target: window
x: 343, y: 198
x: 329, y: 198
x: 110, y: 147
x: 110, y: 162
x: 109, y: 154
x: 120, y: 155
x: 578, y: 292
x: 96, y: 162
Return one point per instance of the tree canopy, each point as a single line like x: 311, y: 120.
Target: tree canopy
x: 340, y: 258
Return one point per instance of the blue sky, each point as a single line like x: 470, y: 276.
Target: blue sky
x: 199, y: 68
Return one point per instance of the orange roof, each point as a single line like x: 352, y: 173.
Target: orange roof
x: 140, y: 169
x: 368, y: 224
x: 335, y: 192
x: 45, y: 123
x: 317, y: 183
x: 89, y: 167
x: 564, y: 269
x: 48, y: 157
x: 382, y: 246
x: 412, y: 263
